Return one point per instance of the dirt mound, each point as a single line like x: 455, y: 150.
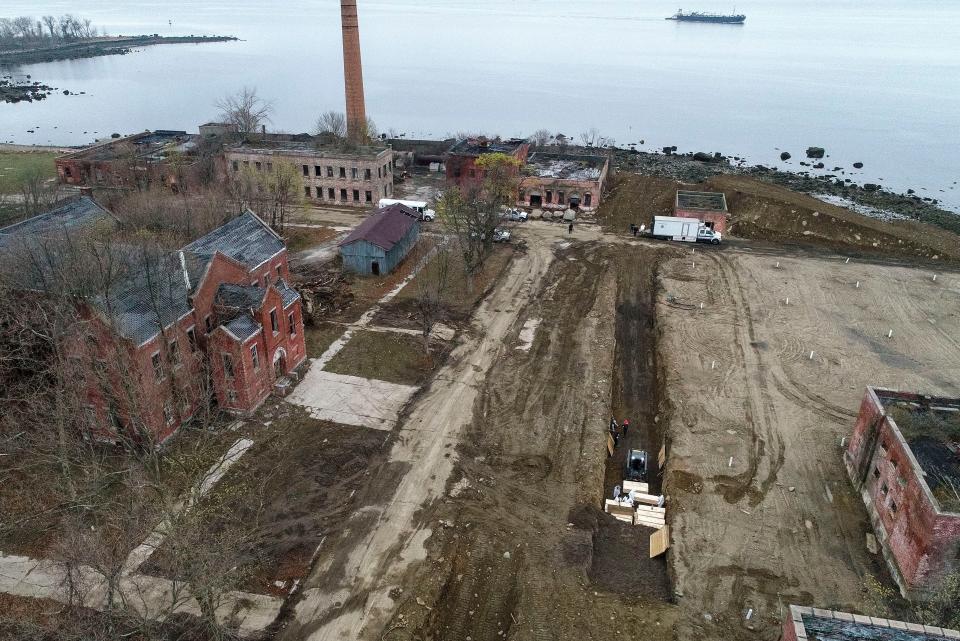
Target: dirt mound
x: 768, y: 212
x: 763, y: 211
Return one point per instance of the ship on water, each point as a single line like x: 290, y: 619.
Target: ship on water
x: 700, y: 16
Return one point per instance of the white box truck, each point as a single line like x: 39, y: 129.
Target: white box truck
x: 687, y: 230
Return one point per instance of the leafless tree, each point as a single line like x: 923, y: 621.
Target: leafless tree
x: 245, y: 110
x: 38, y: 194
x: 432, y: 286
x: 333, y: 123
x: 593, y: 138
x: 540, y: 138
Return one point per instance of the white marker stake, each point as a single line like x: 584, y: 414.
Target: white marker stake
x: 713, y: 364
x: 858, y: 284
x: 811, y: 356
x: 848, y: 260
x: 701, y: 305
x: 778, y: 264
x: 890, y: 334
x: 788, y: 301
x: 934, y: 278
x: 730, y: 463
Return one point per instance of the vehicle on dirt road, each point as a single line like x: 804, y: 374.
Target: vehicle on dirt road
x: 686, y: 230
x: 418, y: 206
x: 635, y: 468
x: 501, y: 235
x: 515, y: 215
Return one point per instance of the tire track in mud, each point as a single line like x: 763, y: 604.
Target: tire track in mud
x: 760, y: 415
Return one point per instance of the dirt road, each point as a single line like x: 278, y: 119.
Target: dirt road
x: 763, y: 512
x: 348, y: 596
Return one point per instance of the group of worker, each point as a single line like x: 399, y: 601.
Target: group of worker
x: 618, y: 430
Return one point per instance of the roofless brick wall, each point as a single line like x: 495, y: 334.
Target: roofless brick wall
x: 919, y: 534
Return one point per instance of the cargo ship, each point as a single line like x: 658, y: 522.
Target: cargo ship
x: 699, y: 16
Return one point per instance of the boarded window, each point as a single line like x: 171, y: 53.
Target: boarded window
x: 157, y: 366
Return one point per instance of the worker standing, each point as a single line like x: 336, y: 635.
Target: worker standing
x: 570, y: 228
x: 626, y: 426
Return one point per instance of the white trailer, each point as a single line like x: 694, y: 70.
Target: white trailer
x: 686, y: 230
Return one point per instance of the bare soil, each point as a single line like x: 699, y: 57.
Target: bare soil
x: 762, y: 211
x: 762, y: 511
x: 529, y: 554
x: 301, y: 238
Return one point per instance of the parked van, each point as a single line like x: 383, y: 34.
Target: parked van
x: 418, y: 206
x: 687, y: 230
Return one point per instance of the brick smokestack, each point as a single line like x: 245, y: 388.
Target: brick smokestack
x: 353, y: 71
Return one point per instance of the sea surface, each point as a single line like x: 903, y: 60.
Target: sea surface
x: 871, y: 81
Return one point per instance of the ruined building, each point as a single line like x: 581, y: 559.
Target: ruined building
x: 904, y: 458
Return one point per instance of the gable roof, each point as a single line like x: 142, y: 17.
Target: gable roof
x: 384, y: 227
x: 75, y: 215
x: 246, y: 239
x: 240, y: 296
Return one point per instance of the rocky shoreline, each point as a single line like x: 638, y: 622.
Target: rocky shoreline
x: 698, y: 167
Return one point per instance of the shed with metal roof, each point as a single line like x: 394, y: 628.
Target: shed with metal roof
x: 381, y: 242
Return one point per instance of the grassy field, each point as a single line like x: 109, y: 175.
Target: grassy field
x: 320, y: 336
x: 386, y: 356
x: 14, y: 165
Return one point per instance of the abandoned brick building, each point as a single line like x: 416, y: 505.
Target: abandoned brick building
x: 709, y: 207
x: 904, y: 458
x: 333, y: 173
x: 561, y: 181
x: 462, y: 157
x: 167, y: 332
x: 159, y: 157
x: 815, y: 624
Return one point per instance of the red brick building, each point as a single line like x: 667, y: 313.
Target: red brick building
x: 160, y: 157
x: 815, y: 624
x: 904, y: 458
x: 561, y: 181
x: 708, y: 207
x: 171, y: 332
x: 461, y: 159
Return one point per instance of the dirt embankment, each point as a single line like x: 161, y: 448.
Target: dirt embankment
x: 762, y: 211
x: 527, y: 554
x: 93, y: 47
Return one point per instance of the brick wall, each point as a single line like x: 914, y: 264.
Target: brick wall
x: 920, y: 543
x: 353, y: 70
x: 717, y: 219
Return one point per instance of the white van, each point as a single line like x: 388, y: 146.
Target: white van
x: 418, y: 206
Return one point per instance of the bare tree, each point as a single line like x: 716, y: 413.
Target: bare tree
x: 593, y: 138
x: 333, y: 123
x: 245, y: 110
x: 432, y: 284
x: 38, y: 193
x: 540, y: 138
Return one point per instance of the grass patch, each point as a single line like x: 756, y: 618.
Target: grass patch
x: 15, y: 165
x: 293, y: 487
x: 320, y: 336
x: 463, y: 292
x: 387, y: 356
x: 301, y: 238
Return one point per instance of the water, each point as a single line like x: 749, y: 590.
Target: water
x: 877, y: 82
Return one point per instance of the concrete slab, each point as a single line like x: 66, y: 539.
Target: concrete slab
x: 351, y: 400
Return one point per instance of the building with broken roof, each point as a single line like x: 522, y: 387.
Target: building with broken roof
x: 706, y: 206
x: 161, y: 157
x: 904, y: 458
x: 333, y: 172
x: 461, y: 158
x: 154, y: 327
x: 381, y: 242
x: 562, y: 181
x: 815, y: 624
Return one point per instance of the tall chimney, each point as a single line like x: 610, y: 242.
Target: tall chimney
x: 353, y: 71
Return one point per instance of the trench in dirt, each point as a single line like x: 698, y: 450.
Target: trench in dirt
x: 638, y: 396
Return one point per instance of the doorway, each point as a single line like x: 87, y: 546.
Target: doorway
x: 279, y: 364
x: 375, y: 268
x: 536, y: 200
